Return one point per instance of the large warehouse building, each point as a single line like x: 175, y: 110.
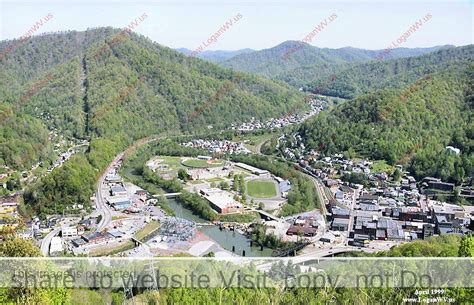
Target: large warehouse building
x: 221, y: 201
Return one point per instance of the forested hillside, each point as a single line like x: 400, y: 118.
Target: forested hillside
x: 114, y: 87
x: 411, y: 126
x: 300, y: 64
x: 23, y: 139
x: 217, y: 55
x: 349, y: 82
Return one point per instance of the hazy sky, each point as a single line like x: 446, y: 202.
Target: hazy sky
x: 361, y: 24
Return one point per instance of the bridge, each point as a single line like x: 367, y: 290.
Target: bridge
x: 136, y: 241
x: 268, y: 216
x: 314, y: 256
x: 167, y: 195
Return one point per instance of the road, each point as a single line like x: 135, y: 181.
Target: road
x: 104, y: 210
x: 47, y: 241
x: 318, y: 253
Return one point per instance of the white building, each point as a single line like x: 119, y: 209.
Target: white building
x: 56, y: 245
x: 68, y: 231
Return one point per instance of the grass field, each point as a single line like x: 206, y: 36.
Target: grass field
x: 261, y: 189
x: 124, y: 246
x: 147, y: 230
x: 200, y: 163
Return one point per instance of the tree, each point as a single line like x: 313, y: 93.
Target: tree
x: 223, y: 185
x: 235, y: 184
x: 183, y: 175
x: 466, y: 247
x: 397, y: 175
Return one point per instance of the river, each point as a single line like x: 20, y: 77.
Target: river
x: 225, y: 238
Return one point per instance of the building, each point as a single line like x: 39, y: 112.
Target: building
x: 453, y: 150
x: 303, y: 227
x: 56, y: 245
x: 428, y: 230
x: 340, y: 224
x: 97, y: 237
x: 112, y: 178
x: 119, y: 203
x: 205, y: 158
x: 68, y: 231
x: 340, y: 213
x: 441, y: 186
x: 10, y: 201
x: 118, y: 190
x: 253, y: 170
x: 221, y: 201
x: 369, y: 199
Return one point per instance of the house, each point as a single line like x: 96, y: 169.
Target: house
x: 453, y: 150
x: 368, y: 199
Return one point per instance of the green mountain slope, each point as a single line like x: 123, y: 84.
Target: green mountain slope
x: 348, y: 82
x: 411, y: 126
x: 23, y: 139
x: 114, y: 87
x: 300, y: 64
x: 114, y: 84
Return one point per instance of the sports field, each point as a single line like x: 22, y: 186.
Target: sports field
x: 200, y: 163
x: 261, y: 189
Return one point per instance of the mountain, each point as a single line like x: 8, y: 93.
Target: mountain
x: 411, y: 125
x: 216, y: 56
x: 395, y: 73
x: 110, y: 84
x: 23, y: 139
x: 298, y: 63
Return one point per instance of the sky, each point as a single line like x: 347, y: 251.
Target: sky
x: 263, y: 24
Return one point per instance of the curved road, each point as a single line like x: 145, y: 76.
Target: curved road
x: 47, y: 241
x: 104, y: 210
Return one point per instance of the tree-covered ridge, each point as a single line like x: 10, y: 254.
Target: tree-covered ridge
x: 167, y: 90
x: 300, y: 64
x: 411, y: 126
x: 106, y: 83
x: 23, y: 139
x: 70, y: 185
x: 348, y: 82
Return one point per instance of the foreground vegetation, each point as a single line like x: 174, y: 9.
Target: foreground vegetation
x: 450, y: 245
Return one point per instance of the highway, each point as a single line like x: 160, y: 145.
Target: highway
x: 47, y: 241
